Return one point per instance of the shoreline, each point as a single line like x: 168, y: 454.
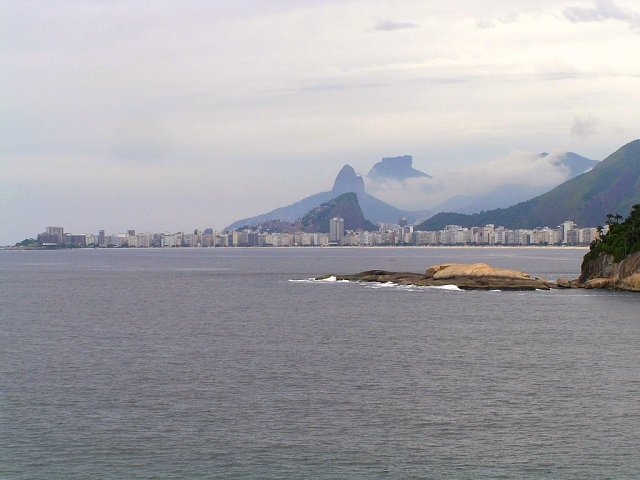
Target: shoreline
x: 367, y: 247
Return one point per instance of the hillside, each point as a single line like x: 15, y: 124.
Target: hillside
x: 345, y: 206
x: 509, y: 194
x: 614, y: 260
x: 611, y: 186
x: 622, y: 240
x: 346, y: 181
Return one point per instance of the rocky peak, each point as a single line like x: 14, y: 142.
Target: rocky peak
x: 396, y: 168
x: 348, y: 181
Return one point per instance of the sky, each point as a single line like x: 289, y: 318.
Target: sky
x: 168, y: 116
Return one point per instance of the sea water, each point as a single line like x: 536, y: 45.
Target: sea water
x: 230, y: 363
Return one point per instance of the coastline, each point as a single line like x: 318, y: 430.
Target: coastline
x: 367, y: 247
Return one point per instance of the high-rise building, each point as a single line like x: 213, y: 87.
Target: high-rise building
x: 566, y: 226
x: 102, y: 241
x: 336, y: 230
x: 58, y: 233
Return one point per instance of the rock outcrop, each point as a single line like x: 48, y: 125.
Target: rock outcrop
x: 475, y: 276
x: 604, y: 272
x: 395, y: 168
x: 348, y: 181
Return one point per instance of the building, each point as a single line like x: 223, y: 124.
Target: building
x: 566, y: 226
x: 336, y: 230
x: 57, y: 233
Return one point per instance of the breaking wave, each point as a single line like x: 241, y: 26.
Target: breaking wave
x: 377, y: 285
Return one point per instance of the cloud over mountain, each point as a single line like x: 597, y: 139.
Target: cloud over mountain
x: 519, y: 170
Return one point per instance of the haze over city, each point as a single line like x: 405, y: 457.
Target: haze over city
x: 163, y: 116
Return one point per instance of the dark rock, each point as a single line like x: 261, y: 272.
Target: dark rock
x: 463, y: 276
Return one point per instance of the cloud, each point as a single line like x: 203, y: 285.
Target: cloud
x: 485, y: 23
x: 383, y: 25
x: 412, y: 193
x: 518, y: 168
x: 584, y: 127
x: 193, y: 102
x: 604, y: 10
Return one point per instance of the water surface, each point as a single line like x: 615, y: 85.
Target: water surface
x: 210, y: 363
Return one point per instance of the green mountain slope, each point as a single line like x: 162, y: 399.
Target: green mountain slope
x: 612, y: 186
x: 345, y: 206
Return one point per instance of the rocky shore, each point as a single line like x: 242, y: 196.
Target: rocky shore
x: 604, y: 272
x: 474, y: 276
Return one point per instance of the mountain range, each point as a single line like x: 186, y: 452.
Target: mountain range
x: 511, y: 193
x: 612, y: 186
x: 348, y: 180
x: 593, y: 190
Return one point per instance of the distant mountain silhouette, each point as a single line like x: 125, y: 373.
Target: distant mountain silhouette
x: 346, y: 181
x: 612, y: 186
x: 395, y: 168
x: 577, y: 164
x: 506, y: 195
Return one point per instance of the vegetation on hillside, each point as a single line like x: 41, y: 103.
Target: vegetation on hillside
x: 622, y: 240
x: 28, y: 242
x: 612, y: 186
x: 345, y: 206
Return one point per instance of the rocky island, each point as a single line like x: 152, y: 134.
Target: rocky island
x: 473, y: 276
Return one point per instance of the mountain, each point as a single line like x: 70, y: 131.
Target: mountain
x: 395, y: 168
x: 346, y: 181
x: 509, y: 194
x: 345, y: 206
x: 612, y: 186
x: 577, y: 164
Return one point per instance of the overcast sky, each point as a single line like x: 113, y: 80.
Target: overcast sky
x: 169, y: 116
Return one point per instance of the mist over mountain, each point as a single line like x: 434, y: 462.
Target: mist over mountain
x: 499, y: 184
x: 577, y: 164
x: 508, y: 194
x: 395, y: 168
x: 612, y: 186
x: 346, y: 181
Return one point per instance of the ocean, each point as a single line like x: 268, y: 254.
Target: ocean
x: 230, y: 363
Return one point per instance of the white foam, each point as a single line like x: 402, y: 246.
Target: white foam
x: 331, y: 279
x: 454, y: 288
x: 376, y: 285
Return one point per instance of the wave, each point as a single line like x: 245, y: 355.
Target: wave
x: 377, y: 285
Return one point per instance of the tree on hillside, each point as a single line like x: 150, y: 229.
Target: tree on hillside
x: 622, y: 240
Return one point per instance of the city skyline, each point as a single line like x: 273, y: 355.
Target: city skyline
x: 401, y: 234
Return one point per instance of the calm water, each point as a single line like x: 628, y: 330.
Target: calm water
x: 210, y: 363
